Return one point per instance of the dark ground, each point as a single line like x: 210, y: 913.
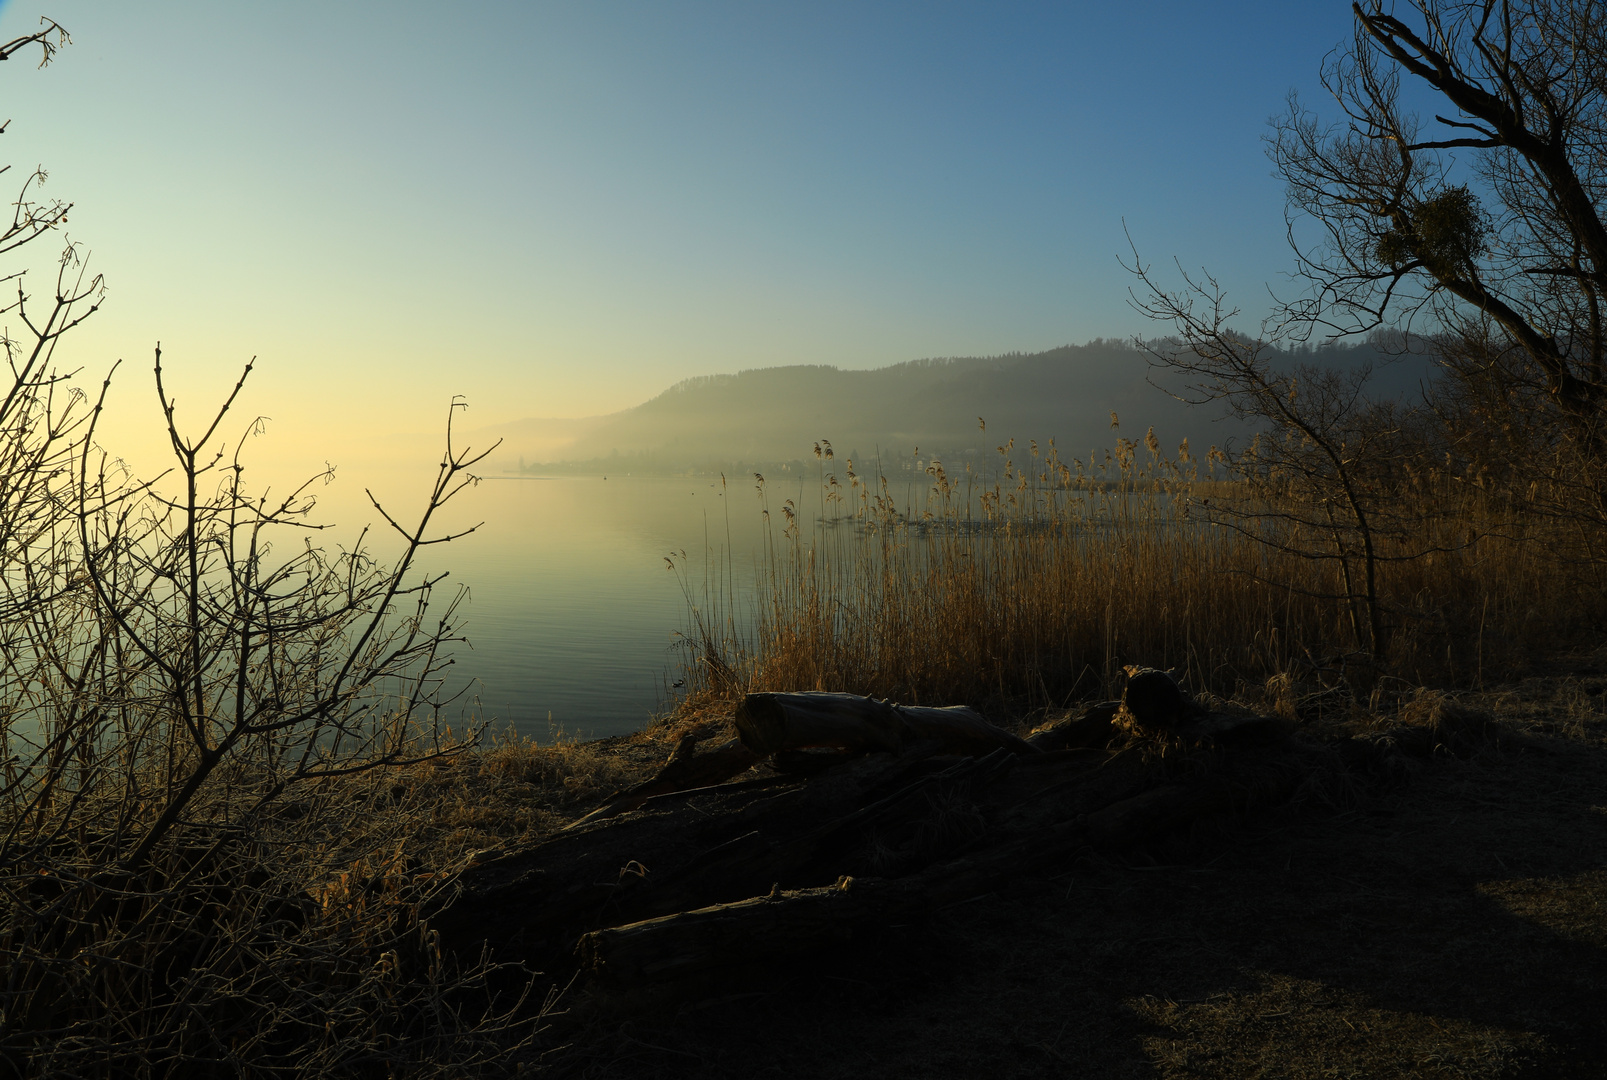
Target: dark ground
x: 1452, y: 924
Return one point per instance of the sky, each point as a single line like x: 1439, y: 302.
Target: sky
x: 561, y: 209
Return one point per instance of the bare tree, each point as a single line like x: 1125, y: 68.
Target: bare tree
x: 1479, y: 233
x: 1325, y: 477
x: 192, y: 691
x: 1481, y: 227
x: 42, y: 422
x: 1497, y: 216
x: 196, y: 678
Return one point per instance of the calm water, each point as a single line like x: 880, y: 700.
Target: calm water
x: 573, y: 611
x: 573, y: 615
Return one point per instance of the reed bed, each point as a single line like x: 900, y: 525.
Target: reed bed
x: 1028, y: 580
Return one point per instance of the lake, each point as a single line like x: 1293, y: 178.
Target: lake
x: 573, y: 615
x: 573, y: 612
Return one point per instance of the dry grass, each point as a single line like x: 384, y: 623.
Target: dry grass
x: 285, y: 943
x: 1032, y: 584
x: 1447, y: 923
x: 509, y: 790
x: 290, y: 942
x: 1449, y: 926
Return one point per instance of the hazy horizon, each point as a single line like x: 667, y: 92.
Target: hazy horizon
x: 559, y: 211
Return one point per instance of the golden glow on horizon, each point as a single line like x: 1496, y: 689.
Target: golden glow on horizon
x: 582, y: 209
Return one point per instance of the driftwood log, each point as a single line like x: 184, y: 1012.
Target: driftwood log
x: 768, y: 723
x: 780, y: 725
x: 727, y: 860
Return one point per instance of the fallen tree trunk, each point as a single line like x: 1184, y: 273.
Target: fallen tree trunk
x: 679, y: 850
x: 781, y: 724
x: 769, y: 723
x: 793, y: 923
x: 881, y: 836
x: 674, y: 947
x: 728, y: 874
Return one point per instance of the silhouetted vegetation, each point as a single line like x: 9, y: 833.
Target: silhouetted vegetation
x: 203, y: 713
x: 1031, y: 584
x: 230, y: 800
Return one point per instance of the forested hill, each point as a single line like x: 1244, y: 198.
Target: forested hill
x: 777, y: 414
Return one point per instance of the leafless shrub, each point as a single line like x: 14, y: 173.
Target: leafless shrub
x: 200, y: 709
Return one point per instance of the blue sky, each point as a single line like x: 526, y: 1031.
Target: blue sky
x: 560, y: 209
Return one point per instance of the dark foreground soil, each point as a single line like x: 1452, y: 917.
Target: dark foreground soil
x: 1451, y: 924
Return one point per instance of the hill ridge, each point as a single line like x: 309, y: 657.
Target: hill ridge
x: 776, y: 414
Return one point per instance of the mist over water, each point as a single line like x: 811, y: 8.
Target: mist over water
x: 573, y: 612
x: 573, y: 615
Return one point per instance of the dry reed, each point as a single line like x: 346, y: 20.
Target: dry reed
x: 1020, y: 584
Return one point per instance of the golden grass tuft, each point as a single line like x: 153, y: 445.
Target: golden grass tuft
x: 569, y: 771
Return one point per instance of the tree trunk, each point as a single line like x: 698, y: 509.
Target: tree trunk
x: 721, y: 877
x: 768, y: 723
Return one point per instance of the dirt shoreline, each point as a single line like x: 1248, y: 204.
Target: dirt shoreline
x: 1450, y: 923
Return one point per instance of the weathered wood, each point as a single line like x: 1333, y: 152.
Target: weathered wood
x: 810, y: 762
x: 532, y: 903
x: 1070, y: 784
x: 726, y: 874
x: 772, y: 722
x: 959, y: 730
x: 878, y: 815
x: 686, y: 769
x: 790, y: 923
x: 1090, y: 728
x: 674, y: 947
x: 769, y: 723
x: 828, y: 846
x: 793, y: 923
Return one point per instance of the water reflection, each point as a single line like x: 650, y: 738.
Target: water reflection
x: 573, y: 616
x: 572, y: 610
